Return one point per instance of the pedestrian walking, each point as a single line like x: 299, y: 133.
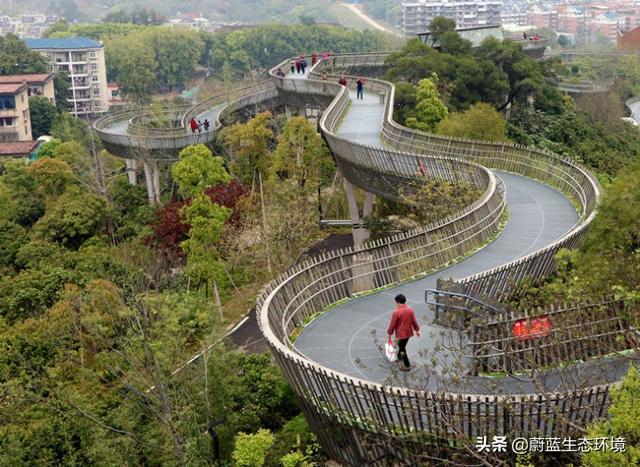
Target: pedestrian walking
x: 194, y: 125
x: 298, y: 65
x: 314, y: 58
x: 206, y: 124
x: 324, y: 78
x: 342, y: 80
x: 293, y: 66
x: 199, y: 126
x: 403, y: 323
x: 360, y: 88
x: 303, y: 64
x: 325, y: 56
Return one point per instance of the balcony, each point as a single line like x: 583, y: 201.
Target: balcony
x: 9, y: 133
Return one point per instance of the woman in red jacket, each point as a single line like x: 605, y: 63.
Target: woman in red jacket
x: 403, y: 323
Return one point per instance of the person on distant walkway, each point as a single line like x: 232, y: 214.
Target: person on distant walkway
x: 199, y: 126
x: 325, y: 56
x: 303, y: 63
x: 403, y: 323
x: 194, y: 125
x: 342, y: 80
x: 298, y: 65
x: 324, y: 78
x: 314, y: 58
x: 360, y: 88
x: 293, y: 66
x: 280, y: 73
x: 206, y: 124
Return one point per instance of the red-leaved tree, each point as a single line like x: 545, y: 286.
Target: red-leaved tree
x: 169, y: 230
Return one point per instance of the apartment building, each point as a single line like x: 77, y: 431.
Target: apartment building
x: 38, y: 84
x: 417, y: 15
x: 15, y: 123
x: 83, y: 61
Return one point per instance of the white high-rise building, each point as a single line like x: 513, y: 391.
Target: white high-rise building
x: 83, y: 61
x: 417, y: 15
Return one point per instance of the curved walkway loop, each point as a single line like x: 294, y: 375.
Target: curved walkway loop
x: 334, y: 367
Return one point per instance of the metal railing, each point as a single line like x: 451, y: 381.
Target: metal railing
x: 129, y: 131
x: 310, y: 287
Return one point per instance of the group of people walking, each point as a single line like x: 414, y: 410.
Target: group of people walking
x: 300, y: 64
x: 359, y: 86
x: 199, y: 125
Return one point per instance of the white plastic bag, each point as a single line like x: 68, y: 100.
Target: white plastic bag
x: 390, y: 351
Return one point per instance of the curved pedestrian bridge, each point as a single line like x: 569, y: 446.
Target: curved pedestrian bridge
x: 325, y: 320
x: 349, y: 338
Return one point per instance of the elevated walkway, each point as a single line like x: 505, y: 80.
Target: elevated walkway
x: 348, y: 339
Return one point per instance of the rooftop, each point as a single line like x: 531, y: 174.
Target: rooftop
x: 63, y: 43
x: 17, y: 148
x: 35, y: 78
x: 11, y: 88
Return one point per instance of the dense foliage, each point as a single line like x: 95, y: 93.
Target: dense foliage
x: 624, y: 424
x: 165, y: 58
x: 17, y: 58
x: 93, y: 322
x: 499, y: 73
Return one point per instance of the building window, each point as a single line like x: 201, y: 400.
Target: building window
x: 7, y: 102
x: 96, y: 104
x: 92, y: 55
x: 94, y: 66
x: 96, y: 91
x: 7, y: 122
x: 95, y: 79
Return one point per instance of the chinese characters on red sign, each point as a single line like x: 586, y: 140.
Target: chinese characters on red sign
x: 524, y: 329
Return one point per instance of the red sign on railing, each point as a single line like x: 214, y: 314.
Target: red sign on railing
x: 525, y: 329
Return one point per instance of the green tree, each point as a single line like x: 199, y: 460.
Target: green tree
x: 61, y: 85
x: 205, y: 219
x: 66, y: 127
x: 176, y: 54
x: 198, y: 169
x: 48, y: 149
x: 624, y: 423
x: 52, y: 176
x: 429, y: 108
x: 440, y: 26
x: 481, y: 121
x: 43, y: 113
x: 24, y: 204
x: 301, y: 155
x: 610, y: 256
x: 133, y: 67
x: 73, y: 218
x: 12, y: 237
x: 251, y: 449
x: 17, y: 58
x: 248, y: 145
x: 525, y: 75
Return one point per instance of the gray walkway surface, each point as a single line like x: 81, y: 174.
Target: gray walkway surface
x: 120, y: 128
x: 351, y: 337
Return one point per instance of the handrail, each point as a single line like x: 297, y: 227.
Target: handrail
x: 139, y: 136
